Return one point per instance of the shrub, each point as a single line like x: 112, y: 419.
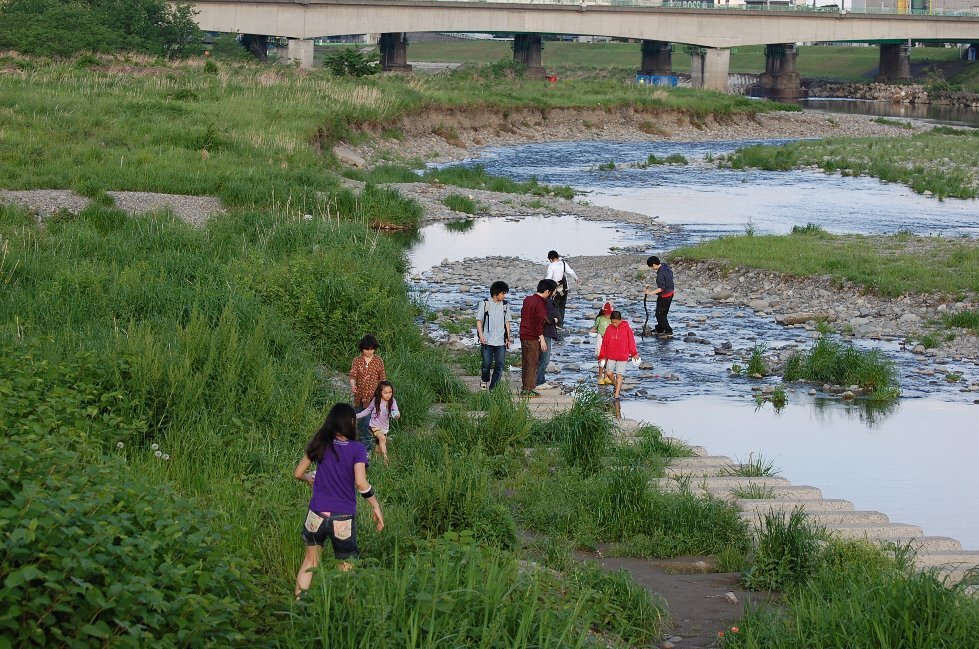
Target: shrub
x: 351, y: 62
x: 93, y: 555
x: 756, y: 362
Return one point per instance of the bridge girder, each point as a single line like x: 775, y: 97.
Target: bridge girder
x: 704, y: 27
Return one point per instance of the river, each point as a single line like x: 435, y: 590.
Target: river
x: 880, y: 459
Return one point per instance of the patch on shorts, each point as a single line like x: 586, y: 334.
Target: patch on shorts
x: 342, y: 530
x: 313, y: 522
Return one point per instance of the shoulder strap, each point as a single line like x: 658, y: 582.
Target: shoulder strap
x: 485, y: 315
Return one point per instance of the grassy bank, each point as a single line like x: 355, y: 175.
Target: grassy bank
x: 843, y: 63
x: 159, y: 380
x: 943, y: 162
x: 158, y: 383
x: 892, y: 265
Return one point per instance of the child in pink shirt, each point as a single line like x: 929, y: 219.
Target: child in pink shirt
x: 381, y: 410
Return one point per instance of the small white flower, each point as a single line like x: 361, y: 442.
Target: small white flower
x: 120, y: 445
x: 154, y: 446
x: 307, y: 217
x: 158, y: 453
x: 166, y: 456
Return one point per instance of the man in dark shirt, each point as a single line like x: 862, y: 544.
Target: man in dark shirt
x: 664, y: 295
x: 533, y: 316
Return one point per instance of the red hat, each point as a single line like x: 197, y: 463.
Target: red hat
x: 607, y: 308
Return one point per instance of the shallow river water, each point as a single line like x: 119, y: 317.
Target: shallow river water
x: 914, y: 461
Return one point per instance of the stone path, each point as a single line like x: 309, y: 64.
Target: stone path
x: 713, y: 475
x: 46, y: 203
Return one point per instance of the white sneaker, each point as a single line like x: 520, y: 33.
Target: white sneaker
x: 483, y: 386
x: 544, y: 386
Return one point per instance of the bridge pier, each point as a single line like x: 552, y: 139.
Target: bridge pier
x: 895, y: 63
x: 394, y: 52
x: 657, y: 57
x: 709, y: 68
x: 257, y: 45
x: 781, y: 80
x: 527, y: 50
x: 300, y: 51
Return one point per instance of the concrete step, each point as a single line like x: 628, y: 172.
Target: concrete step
x: 733, y: 482
x: 828, y: 519
x: 786, y: 492
x: 950, y: 560
x: 704, y: 460
x: 875, y: 531
x: 696, y: 473
x: 809, y: 506
x: 922, y: 544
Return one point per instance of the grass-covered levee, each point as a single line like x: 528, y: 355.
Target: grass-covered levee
x: 158, y: 382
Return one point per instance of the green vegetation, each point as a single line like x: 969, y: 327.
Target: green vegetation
x: 470, y: 177
x: 753, y: 467
x: 856, y: 595
x: 672, y: 159
x: 756, y: 361
x: 832, y: 361
x: 58, y: 28
x: 622, y: 59
x: 787, y: 551
x: 967, y: 319
x: 351, y: 62
x: 942, y: 163
x: 460, y: 203
x: 891, y: 265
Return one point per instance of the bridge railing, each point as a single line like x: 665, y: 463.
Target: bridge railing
x: 754, y: 6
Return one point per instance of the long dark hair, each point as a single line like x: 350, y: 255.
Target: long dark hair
x: 342, y: 420
x: 377, y: 396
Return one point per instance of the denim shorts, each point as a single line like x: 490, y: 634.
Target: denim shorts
x: 341, y: 529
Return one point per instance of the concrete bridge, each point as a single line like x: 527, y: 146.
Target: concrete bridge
x: 712, y: 31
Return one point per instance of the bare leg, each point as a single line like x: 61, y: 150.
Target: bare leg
x: 310, y: 561
x: 618, y: 384
x: 382, y: 443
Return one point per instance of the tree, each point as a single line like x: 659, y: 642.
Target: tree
x: 65, y: 27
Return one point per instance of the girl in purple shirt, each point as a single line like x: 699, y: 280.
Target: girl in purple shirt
x: 381, y: 410
x: 341, y: 467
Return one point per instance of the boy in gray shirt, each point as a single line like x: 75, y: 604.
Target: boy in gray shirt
x: 493, y: 329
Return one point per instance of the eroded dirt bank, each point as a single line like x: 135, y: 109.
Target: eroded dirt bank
x: 451, y: 134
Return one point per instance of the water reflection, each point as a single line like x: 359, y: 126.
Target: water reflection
x: 928, y: 112
x: 528, y: 238
x: 870, y: 413
x: 918, y: 467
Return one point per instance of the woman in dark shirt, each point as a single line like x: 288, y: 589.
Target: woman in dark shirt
x: 341, y: 467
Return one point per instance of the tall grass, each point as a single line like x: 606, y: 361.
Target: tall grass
x: 830, y: 360
x: 857, y: 597
x: 787, y: 551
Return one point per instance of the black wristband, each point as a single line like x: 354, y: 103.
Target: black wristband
x: 368, y: 494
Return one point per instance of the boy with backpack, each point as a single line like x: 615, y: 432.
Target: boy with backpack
x: 493, y: 328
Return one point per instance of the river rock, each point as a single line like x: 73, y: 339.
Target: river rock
x: 802, y: 318
x: 848, y: 395
x: 348, y: 156
x: 553, y: 368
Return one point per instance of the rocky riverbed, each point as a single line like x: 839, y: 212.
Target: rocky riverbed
x: 795, y: 303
